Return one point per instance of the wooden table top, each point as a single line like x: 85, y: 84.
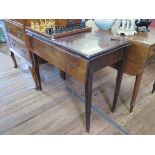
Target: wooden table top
x: 87, y: 44
x: 90, y: 44
x: 147, y: 38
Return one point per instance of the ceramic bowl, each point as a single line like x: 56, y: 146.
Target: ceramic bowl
x: 104, y: 24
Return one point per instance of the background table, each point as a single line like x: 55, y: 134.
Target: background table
x: 141, y: 51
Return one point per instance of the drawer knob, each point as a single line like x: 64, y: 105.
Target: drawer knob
x: 19, y: 34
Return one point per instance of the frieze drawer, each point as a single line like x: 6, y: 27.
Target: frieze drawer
x: 20, y: 50
x: 15, y: 30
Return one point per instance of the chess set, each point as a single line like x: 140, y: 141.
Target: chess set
x: 54, y: 28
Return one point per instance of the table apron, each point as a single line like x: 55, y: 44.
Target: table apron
x: 71, y: 64
x: 108, y: 59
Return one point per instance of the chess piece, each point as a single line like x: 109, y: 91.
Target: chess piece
x: 56, y: 29
x: 143, y: 23
x: 32, y: 25
x: 71, y: 25
x: 52, y: 30
x: 76, y: 25
x: 82, y: 24
x: 45, y: 22
x: 49, y: 31
x: 42, y: 26
x: 52, y: 22
x: 37, y: 27
x: 60, y: 29
x: 42, y: 23
x: 63, y: 28
x: 48, y: 24
x: 67, y: 26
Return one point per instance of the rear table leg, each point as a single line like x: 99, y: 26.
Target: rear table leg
x: 135, y: 91
x: 32, y: 70
x: 119, y: 80
x: 117, y: 88
x: 14, y: 60
x: 37, y: 73
x: 153, y: 89
x: 63, y: 75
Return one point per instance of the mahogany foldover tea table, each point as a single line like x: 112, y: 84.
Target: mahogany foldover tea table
x: 79, y: 56
x: 139, y: 54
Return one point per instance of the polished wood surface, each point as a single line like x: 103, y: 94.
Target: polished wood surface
x: 63, y: 22
x: 146, y: 38
x: 89, y: 44
x: 15, y: 29
x: 69, y: 63
x: 19, y: 49
x: 79, y: 56
x: 136, y: 58
x: 143, y: 47
x: 19, y: 21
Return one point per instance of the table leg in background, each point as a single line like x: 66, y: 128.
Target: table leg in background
x: 153, y: 89
x: 36, y: 66
x: 135, y: 91
x: 119, y: 80
x: 33, y: 73
x: 63, y: 75
x: 14, y: 59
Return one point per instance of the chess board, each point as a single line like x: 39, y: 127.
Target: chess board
x: 52, y: 29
